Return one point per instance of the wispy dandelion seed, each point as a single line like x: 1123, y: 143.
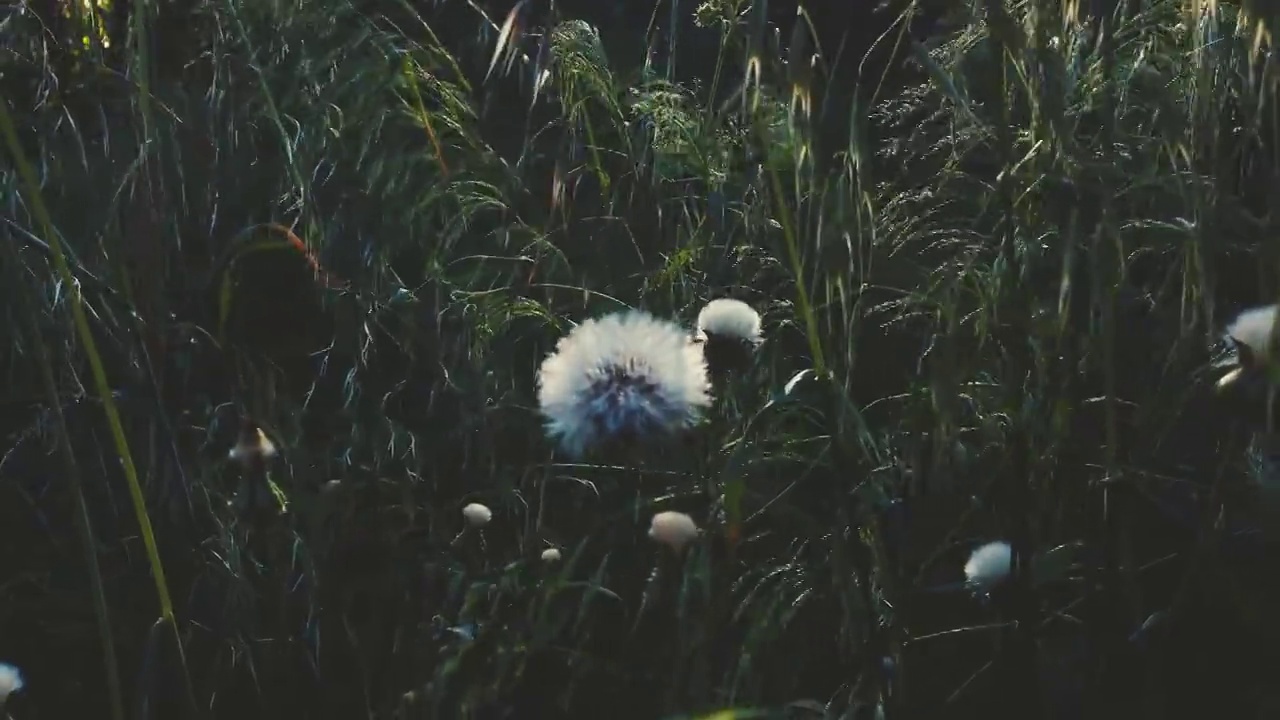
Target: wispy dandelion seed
x: 621, y: 378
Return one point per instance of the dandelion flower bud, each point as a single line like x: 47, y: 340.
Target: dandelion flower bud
x: 988, y: 567
x: 478, y: 515
x: 621, y: 378
x: 1248, y: 383
x: 729, y: 331
x: 550, y: 555
x: 252, y: 445
x: 1252, y: 332
x: 10, y: 681
x: 673, y: 529
x: 729, y: 318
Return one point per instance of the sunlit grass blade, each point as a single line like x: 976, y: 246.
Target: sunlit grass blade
x: 101, y: 384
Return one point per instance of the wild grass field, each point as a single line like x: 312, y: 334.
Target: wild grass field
x: 324, y: 395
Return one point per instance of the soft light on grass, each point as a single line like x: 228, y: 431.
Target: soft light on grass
x: 103, y: 387
x: 987, y: 283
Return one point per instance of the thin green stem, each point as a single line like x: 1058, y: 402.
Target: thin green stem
x: 81, y: 321
x: 84, y: 525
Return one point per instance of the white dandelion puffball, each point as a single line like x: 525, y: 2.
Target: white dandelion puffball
x: 727, y: 318
x: 673, y: 529
x: 622, y: 376
x: 478, y: 515
x: 988, y: 566
x: 1252, y: 329
x: 550, y: 555
x: 10, y: 681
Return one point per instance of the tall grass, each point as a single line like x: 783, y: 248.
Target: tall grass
x: 993, y: 277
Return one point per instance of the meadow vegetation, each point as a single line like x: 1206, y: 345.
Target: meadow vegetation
x: 279, y: 279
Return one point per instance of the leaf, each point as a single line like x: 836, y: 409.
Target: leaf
x: 508, y: 38
x: 730, y: 714
x: 789, y: 389
x: 282, y: 500
x: 1055, y: 564
x: 224, y: 304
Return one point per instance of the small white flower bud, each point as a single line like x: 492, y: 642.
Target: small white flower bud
x: 673, y: 529
x: 478, y: 515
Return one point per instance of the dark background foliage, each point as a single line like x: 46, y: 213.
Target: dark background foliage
x: 994, y: 262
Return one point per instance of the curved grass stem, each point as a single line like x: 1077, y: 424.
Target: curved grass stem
x: 81, y: 321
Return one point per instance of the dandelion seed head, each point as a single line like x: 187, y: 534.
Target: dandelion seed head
x: 550, y: 555
x: 728, y: 318
x: 10, y: 681
x: 624, y: 377
x: 988, y: 566
x: 1253, y: 329
x: 673, y: 529
x: 729, y: 333
x: 476, y: 514
x: 252, y: 445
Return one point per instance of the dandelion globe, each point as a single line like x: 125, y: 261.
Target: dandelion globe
x: 1253, y: 332
x: 1249, y: 384
x: 10, y: 682
x: 673, y: 529
x: 477, y: 515
x: 988, y: 567
x: 621, y: 379
x: 729, y: 331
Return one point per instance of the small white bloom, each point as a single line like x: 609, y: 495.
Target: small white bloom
x: 251, y: 446
x: 727, y: 318
x: 10, y: 681
x: 551, y: 555
x: 478, y: 515
x: 1253, y: 329
x: 988, y: 566
x: 673, y: 529
x: 624, y: 376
